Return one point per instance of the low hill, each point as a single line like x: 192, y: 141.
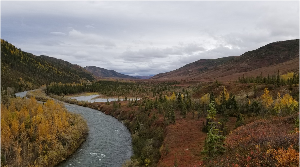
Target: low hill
x: 104, y: 73
x: 23, y: 70
x: 268, y: 59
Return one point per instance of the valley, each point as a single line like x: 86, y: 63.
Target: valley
x: 232, y: 111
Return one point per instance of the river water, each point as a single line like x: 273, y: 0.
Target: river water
x: 93, y: 98
x: 107, y: 145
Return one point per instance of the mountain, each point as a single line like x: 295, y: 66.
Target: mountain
x: 268, y: 59
x: 104, y: 73
x: 23, y: 70
x: 144, y: 77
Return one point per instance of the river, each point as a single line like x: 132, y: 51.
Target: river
x: 108, y: 143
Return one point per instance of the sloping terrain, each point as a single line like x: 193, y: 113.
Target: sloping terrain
x: 267, y: 59
x: 104, y: 73
x: 23, y: 70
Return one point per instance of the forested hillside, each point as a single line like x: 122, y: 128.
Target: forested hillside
x: 23, y: 70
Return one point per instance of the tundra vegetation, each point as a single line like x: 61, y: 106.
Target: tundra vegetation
x: 265, y: 130
x: 252, y: 121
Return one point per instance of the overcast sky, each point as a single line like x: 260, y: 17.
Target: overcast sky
x: 144, y: 38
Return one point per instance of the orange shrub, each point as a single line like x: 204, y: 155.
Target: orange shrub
x: 289, y: 157
x: 262, y: 143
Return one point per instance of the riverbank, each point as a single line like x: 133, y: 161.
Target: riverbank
x: 147, y: 131
x: 108, y: 142
x: 35, y: 134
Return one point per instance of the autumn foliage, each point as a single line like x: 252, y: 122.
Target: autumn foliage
x: 272, y: 142
x: 25, y: 71
x: 35, y: 134
x: 289, y: 157
x: 283, y: 105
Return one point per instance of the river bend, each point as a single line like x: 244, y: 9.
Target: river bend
x: 108, y: 143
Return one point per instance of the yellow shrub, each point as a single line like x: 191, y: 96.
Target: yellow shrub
x: 287, y: 104
x: 172, y: 97
x: 266, y: 98
x: 205, y: 99
x: 224, y: 95
x: 287, y: 76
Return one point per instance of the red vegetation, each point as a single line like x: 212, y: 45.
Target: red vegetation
x: 262, y: 143
x: 183, y: 143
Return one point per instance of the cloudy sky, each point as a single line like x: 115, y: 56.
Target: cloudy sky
x: 145, y: 38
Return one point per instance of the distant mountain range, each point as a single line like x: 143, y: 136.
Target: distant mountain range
x: 144, y: 77
x: 99, y: 72
x: 23, y: 70
x: 268, y: 59
x: 104, y: 73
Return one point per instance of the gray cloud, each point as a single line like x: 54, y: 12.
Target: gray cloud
x: 145, y: 37
x: 89, y: 39
x: 148, y: 54
x: 57, y: 33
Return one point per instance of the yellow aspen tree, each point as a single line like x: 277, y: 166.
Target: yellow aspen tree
x: 42, y: 130
x: 15, y: 127
x: 32, y: 103
x: 58, y: 122
x: 287, y: 75
x: 50, y: 104
x: 39, y: 110
x: 21, y: 114
x: 173, y: 97
x: 6, y: 135
x: 205, y: 99
x: 225, y: 94
x: 11, y: 107
x: 22, y: 128
x: 31, y: 131
x: 289, y: 103
x: 267, y: 99
x: 64, y: 120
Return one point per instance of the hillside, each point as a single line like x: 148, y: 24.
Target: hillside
x: 268, y: 59
x: 104, y: 73
x: 23, y: 70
